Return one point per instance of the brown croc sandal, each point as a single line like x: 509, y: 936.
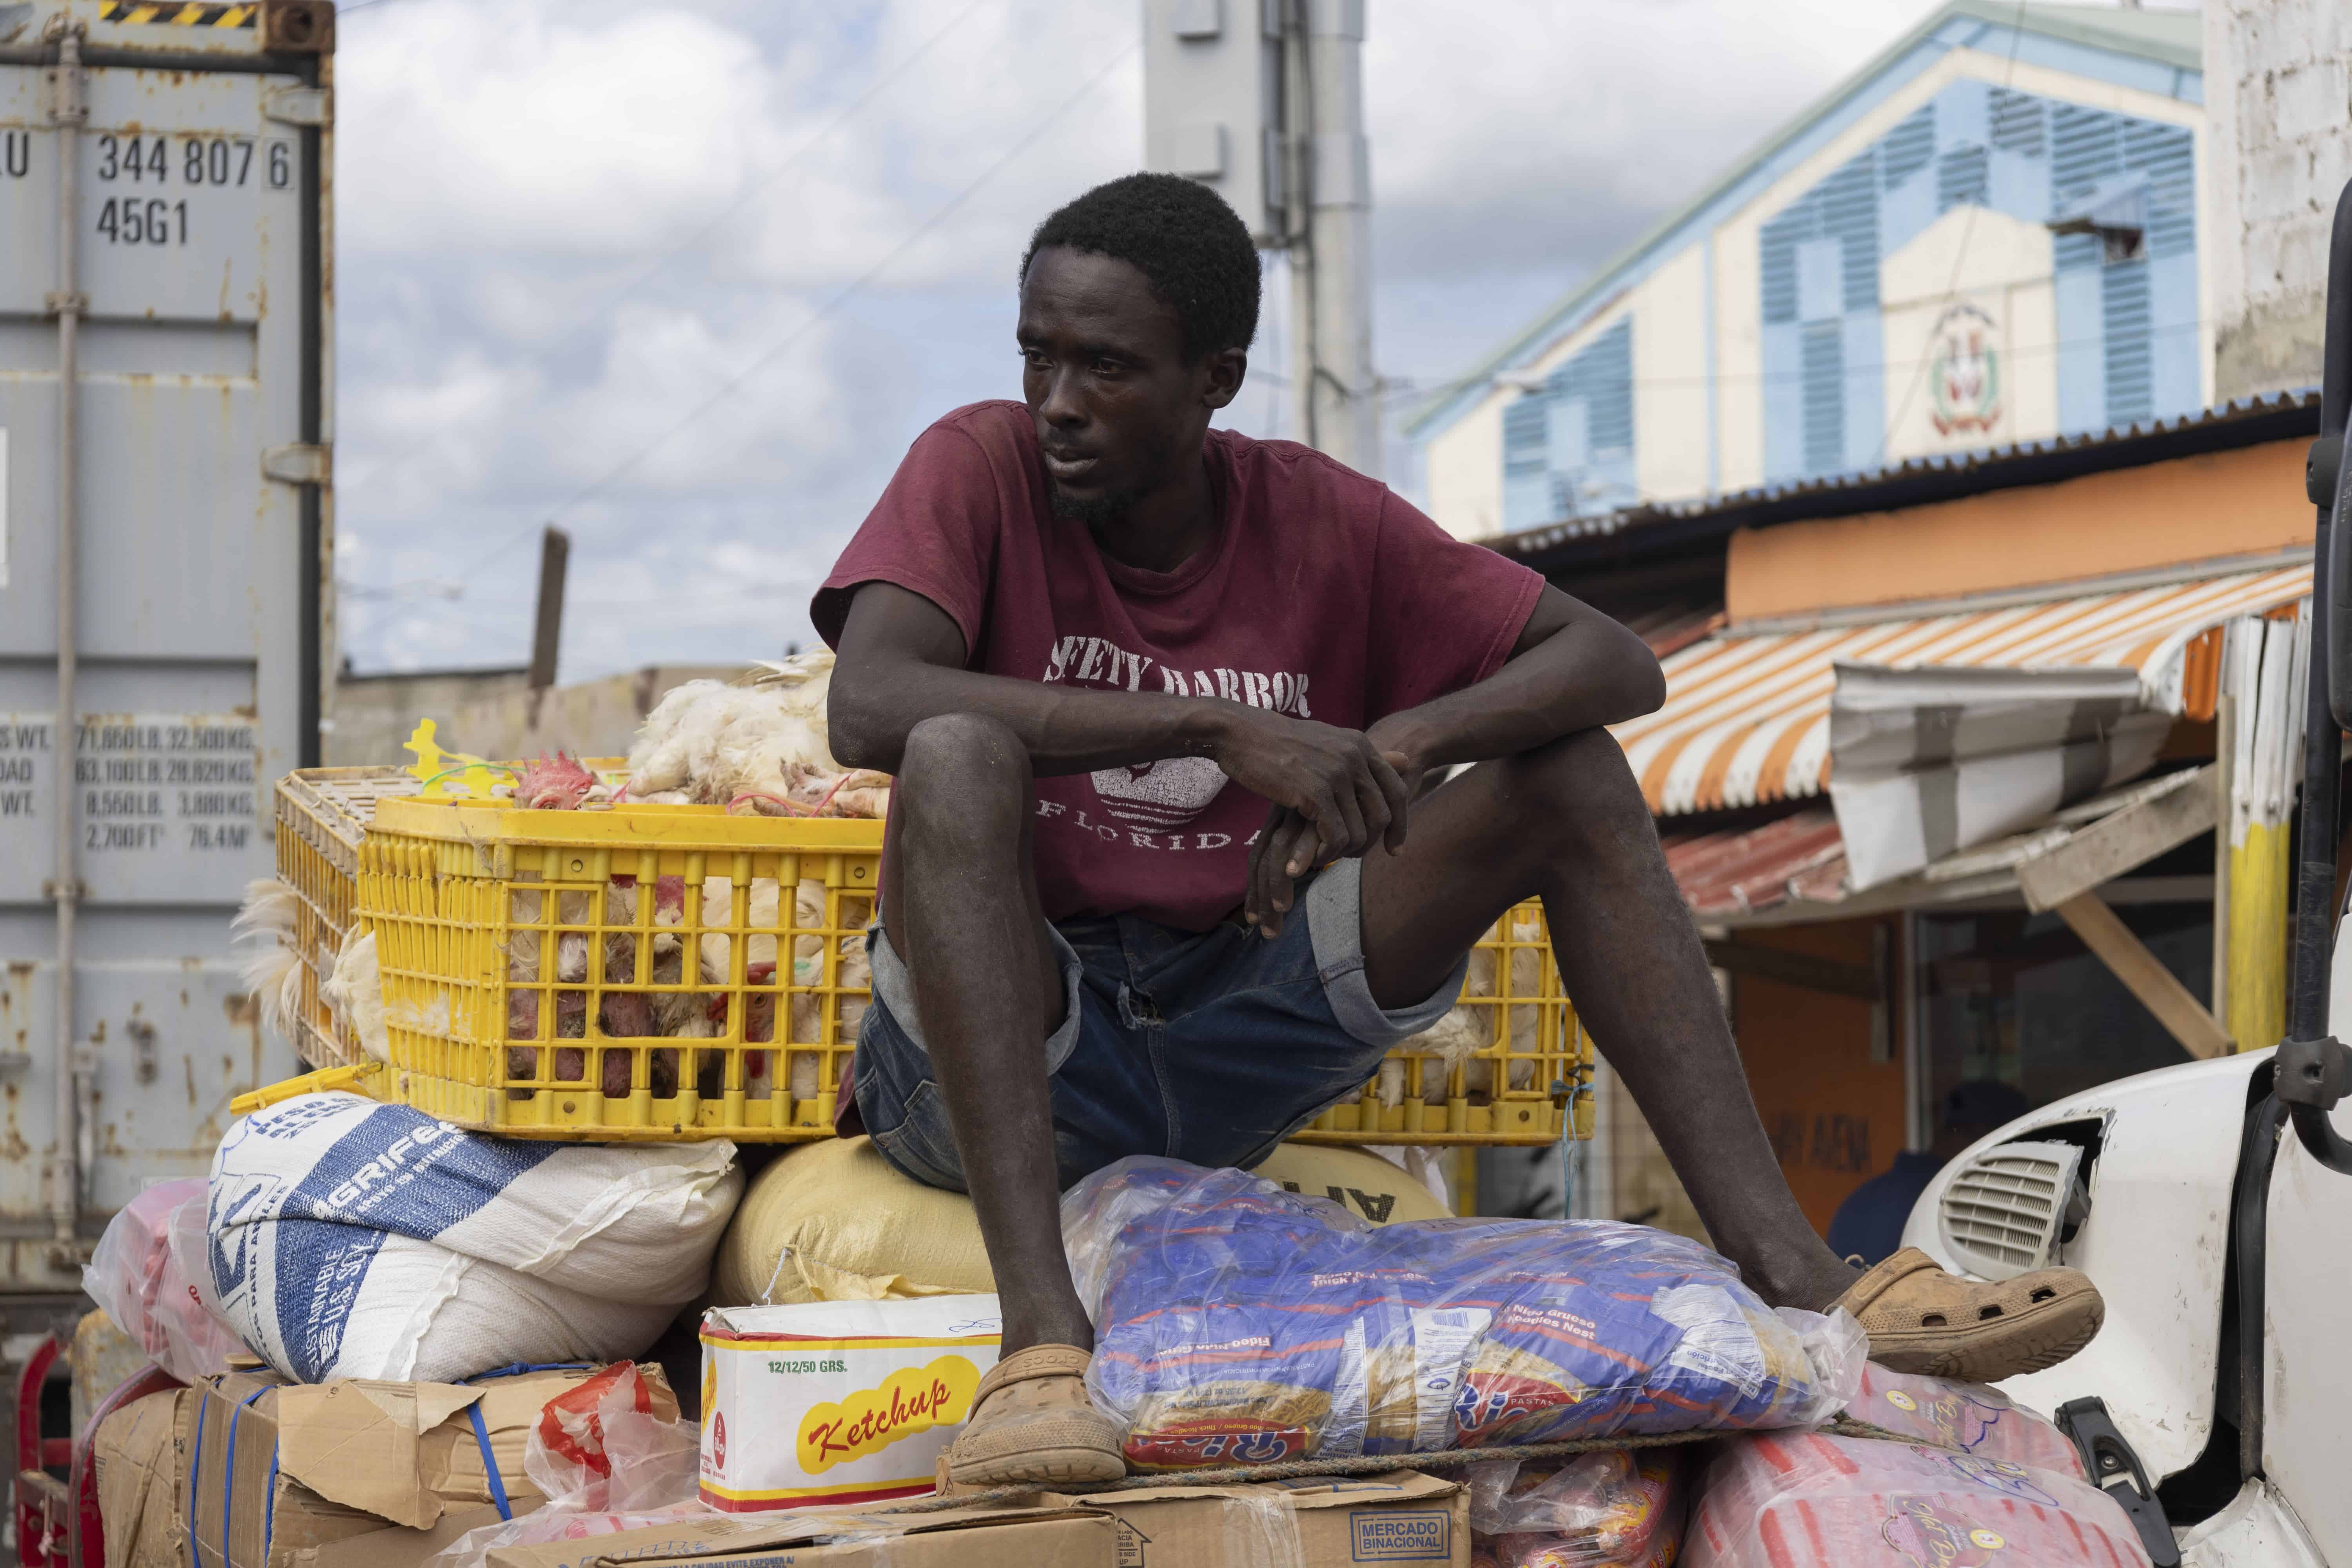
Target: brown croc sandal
x: 1032, y: 1422
x: 1922, y: 1319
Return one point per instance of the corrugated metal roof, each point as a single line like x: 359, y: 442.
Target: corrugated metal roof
x: 2161, y: 37
x: 1794, y: 867
x: 1746, y: 716
x: 1923, y: 481
x: 1799, y: 857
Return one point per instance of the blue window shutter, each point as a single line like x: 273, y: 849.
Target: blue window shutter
x: 1908, y: 147
x: 2085, y: 147
x: 1962, y: 179
x: 1606, y: 384
x: 1850, y: 212
x: 1779, y: 243
x: 2123, y: 303
x: 1526, y: 476
x: 1823, y: 355
x: 2020, y: 122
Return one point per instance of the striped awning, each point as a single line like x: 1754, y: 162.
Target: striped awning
x: 1747, y: 715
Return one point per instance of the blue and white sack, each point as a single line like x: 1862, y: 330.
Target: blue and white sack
x: 346, y: 1238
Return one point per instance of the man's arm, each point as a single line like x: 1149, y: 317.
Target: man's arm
x: 1572, y: 668
x: 901, y: 662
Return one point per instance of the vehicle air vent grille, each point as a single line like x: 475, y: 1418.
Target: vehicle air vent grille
x: 2002, y: 1213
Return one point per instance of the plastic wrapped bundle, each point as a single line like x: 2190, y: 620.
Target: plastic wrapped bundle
x: 607, y: 1456
x: 1809, y: 1500
x: 1613, y: 1509
x: 1237, y: 1323
x: 137, y: 1279
x: 1969, y: 1416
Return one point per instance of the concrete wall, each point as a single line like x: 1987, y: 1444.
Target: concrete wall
x: 2282, y: 152
x: 373, y: 714
x: 593, y: 719
x: 490, y: 713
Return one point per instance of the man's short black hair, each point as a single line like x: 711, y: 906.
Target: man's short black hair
x: 1183, y: 237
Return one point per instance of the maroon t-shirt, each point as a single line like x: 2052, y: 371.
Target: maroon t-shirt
x: 1324, y: 595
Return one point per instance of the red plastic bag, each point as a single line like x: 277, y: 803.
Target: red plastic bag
x: 136, y: 1278
x: 606, y: 1464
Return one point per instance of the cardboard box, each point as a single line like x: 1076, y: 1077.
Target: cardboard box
x: 1047, y: 1536
x: 1336, y: 1521
x: 141, y: 1454
x: 397, y: 1547
x: 836, y: 1404
x: 285, y: 1471
x: 1403, y: 1517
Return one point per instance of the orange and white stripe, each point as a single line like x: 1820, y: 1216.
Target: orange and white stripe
x: 1745, y: 719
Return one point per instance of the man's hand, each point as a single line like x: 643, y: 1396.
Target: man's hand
x: 1334, y: 793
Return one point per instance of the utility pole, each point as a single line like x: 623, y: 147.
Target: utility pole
x: 1263, y: 100
x: 547, y: 621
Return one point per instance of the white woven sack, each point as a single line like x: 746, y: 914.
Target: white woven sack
x: 348, y: 1238
x: 320, y: 1301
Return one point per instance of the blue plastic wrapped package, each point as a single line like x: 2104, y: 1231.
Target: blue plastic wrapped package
x: 1238, y: 1323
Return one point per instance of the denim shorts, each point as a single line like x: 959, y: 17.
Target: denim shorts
x: 1209, y: 1046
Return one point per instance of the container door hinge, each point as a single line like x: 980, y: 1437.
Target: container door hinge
x: 298, y: 106
x: 299, y: 464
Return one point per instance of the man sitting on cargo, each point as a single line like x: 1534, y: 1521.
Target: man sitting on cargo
x: 1160, y: 878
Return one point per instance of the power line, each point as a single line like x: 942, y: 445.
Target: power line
x: 938, y: 217
x: 825, y: 312
x: 605, y: 303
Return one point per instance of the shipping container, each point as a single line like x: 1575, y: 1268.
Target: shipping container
x: 166, y: 533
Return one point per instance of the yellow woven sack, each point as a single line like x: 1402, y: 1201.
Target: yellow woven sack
x: 835, y: 1221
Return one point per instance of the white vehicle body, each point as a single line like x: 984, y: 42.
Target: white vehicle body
x: 2159, y: 1241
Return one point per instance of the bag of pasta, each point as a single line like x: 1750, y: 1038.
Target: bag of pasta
x: 1238, y: 1323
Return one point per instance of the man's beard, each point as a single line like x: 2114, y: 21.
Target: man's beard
x: 1094, y: 511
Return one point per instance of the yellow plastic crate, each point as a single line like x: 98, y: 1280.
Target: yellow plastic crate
x: 322, y: 820
x: 526, y: 972
x: 1528, y: 1058
x: 466, y: 898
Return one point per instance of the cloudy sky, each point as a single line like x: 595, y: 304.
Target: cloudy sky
x: 687, y: 277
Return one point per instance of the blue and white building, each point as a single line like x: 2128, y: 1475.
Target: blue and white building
x: 1988, y: 234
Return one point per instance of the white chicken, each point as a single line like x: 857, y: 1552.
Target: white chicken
x: 355, y: 992
x: 710, y: 743
x: 1469, y: 1026
x: 705, y: 743
x: 272, y: 968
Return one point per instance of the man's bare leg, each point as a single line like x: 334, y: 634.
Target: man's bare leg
x: 960, y: 901
x: 1567, y: 821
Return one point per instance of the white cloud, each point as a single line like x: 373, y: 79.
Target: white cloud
x: 565, y: 226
